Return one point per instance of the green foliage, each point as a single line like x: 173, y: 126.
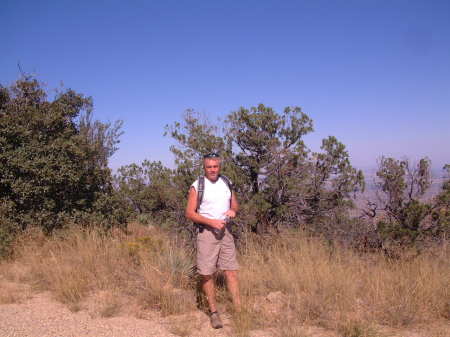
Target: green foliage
x: 285, y: 183
x: 8, y: 228
x: 53, y: 157
x: 262, y: 135
x: 407, y: 231
x: 264, y: 141
x: 279, y: 181
x: 195, y: 136
x: 441, y: 211
x: 406, y: 216
x: 333, y: 179
x: 151, y: 192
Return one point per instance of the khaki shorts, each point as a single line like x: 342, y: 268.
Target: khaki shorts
x: 213, y: 254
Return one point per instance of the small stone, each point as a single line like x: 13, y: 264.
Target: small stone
x: 275, y: 297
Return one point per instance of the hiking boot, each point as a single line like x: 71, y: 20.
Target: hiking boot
x: 216, y: 322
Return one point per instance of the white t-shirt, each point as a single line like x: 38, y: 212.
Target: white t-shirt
x: 216, y: 199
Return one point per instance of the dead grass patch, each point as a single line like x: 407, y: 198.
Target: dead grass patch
x: 109, y: 303
x: 9, y: 294
x: 13, y: 292
x: 167, y: 301
x: 311, y: 282
x: 289, y: 331
x: 326, y: 285
x: 245, y: 321
x: 185, y: 325
x: 357, y: 328
x: 74, y: 263
x: 438, y: 331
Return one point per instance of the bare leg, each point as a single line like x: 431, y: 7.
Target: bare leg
x: 233, y: 288
x: 210, y: 292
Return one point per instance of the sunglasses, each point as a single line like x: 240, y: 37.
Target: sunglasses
x: 211, y: 155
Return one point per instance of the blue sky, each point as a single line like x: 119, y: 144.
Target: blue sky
x: 375, y: 74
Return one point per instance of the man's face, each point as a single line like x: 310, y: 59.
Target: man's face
x: 212, y: 168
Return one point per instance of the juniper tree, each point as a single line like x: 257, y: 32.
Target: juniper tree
x: 441, y: 211
x: 400, y: 188
x: 53, y: 157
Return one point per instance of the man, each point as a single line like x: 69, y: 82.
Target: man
x: 215, y: 244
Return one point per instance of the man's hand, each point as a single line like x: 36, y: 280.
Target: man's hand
x: 230, y: 213
x: 219, y: 224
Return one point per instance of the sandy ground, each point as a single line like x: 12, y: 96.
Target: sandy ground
x: 31, y: 314
x: 39, y: 315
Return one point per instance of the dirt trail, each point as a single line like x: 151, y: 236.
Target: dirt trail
x: 41, y: 316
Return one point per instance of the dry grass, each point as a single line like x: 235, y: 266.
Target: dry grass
x: 9, y: 294
x: 143, y: 264
x: 184, y: 326
x: 356, y: 328
x: 11, y: 291
x: 340, y: 290
x: 109, y: 304
x: 287, y: 331
x: 245, y: 321
x: 310, y: 282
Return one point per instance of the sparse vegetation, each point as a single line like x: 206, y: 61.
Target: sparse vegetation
x: 76, y: 262
x: 290, y: 279
x: 315, y: 279
x: 184, y: 326
x: 11, y: 293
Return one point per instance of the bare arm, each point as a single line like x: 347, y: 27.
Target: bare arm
x: 234, y: 206
x: 191, y: 212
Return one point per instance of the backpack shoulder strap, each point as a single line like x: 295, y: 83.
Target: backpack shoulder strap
x: 227, y: 181
x: 201, y: 190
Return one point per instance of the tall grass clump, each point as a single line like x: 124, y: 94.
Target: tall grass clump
x: 339, y: 289
x: 143, y: 264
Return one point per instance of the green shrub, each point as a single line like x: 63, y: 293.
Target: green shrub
x: 53, y: 157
